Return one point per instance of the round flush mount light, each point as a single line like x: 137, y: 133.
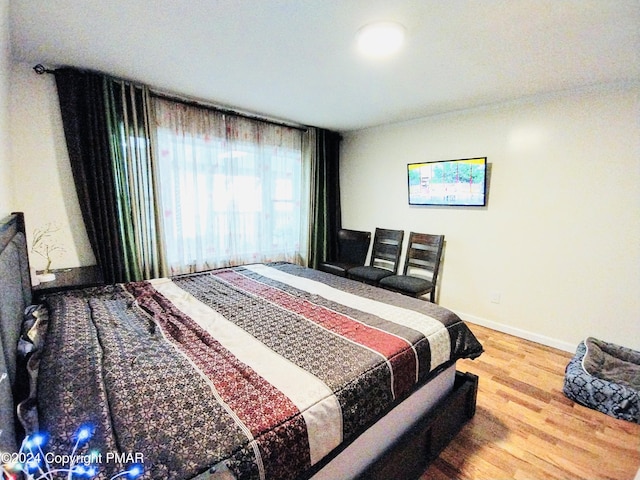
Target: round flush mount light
x: 380, y: 39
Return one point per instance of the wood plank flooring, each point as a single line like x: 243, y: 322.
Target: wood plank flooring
x: 525, y: 428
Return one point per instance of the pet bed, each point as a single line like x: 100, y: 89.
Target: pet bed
x: 605, y: 377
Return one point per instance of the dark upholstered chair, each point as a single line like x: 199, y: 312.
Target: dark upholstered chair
x: 385, y: 257
x: 421, y: 267
x: 353, y: 246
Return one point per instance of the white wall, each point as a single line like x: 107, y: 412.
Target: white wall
x: 6, y: 184
x: 560, y: 238
x: 41, y: 172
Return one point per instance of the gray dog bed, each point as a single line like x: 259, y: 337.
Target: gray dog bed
x: 605, y: 377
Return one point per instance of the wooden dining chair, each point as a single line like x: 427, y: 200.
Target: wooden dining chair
x: 385, y: 257
x: 421, y: 266
x: 353, y: 246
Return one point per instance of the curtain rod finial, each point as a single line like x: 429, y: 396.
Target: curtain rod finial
x: 40, y: 69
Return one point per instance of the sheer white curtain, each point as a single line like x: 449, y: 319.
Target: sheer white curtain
x: 233, y: 190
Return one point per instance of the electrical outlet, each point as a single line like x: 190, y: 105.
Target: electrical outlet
x: 495, y: 297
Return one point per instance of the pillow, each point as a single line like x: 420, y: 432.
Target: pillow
x: 34, y: 329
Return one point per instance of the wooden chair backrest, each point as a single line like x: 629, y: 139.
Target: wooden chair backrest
x: 387, y: 246
x: 423, y: 255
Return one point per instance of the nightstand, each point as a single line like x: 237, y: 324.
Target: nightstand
x: 68, y: 278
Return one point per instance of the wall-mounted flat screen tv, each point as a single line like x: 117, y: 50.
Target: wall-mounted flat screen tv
x: 461, y: 183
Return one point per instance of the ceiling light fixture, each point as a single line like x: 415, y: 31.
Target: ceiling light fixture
x: 380, y: 39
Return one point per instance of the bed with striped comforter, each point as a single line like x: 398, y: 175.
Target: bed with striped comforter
x: 264, y: 369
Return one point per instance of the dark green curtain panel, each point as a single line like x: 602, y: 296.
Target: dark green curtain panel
x: 131, y: 145
x: 326, y: 213
x: 84, y: 118
x: 106, y: 125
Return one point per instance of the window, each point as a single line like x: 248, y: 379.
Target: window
x: 233, y: 189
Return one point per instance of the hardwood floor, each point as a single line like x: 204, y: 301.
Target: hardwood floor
x: 525, y: 428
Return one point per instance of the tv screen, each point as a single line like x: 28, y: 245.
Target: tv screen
x: 448, y: 182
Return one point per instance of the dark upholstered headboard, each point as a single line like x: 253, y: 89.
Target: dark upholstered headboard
x: 15, y: 296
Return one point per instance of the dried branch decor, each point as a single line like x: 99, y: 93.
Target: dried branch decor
x: 46, y: 244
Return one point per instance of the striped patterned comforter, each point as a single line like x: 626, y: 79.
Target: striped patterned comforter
x: 266, y: 368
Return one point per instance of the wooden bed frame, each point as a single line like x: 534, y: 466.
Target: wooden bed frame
x: 418, y: 447
x: 407, y: 458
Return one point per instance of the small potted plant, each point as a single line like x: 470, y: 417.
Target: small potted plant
x: 46, y: 245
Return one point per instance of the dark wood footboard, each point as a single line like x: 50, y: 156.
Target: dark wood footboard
x: 409, y: 457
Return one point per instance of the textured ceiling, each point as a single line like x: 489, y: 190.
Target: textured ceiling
x: 295, y: 60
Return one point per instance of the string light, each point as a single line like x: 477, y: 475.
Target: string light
x: 84, y: 433
x: 36, y: 467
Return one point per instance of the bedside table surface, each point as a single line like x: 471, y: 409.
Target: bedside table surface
x: 67, y: 278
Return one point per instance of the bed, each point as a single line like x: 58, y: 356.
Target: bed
x: 269, y: 371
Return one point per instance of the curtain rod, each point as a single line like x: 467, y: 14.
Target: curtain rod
x: 41, y: 69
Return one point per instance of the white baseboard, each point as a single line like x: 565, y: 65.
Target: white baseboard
x: 527, y: 335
